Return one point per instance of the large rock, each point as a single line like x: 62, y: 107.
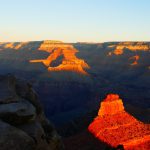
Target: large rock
x: 19, y: 112
x: 23, y: 125
x: 26, y: 91
x: 115, y: 126
x: 35, y: 130
x: 7, y: 90
x: 14, y: 139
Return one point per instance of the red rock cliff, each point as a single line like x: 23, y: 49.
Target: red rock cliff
x: 115, y: 126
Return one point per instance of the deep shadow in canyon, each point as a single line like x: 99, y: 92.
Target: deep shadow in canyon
x: 71, y: 98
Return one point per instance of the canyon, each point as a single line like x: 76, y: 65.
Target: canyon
x: 71, y: 77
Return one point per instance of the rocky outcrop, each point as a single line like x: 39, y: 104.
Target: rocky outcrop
x: 133, y: 46
x: 20, y: 45
x: 135, y: 60
x: 50, y: 45
x: 111, y: 105
x: 13, y: 45
x: 23, y: 125
x: 68, y: 62
x: 115, y: 126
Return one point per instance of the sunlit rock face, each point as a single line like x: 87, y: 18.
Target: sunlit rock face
x: 13, y: 45
x: 65, y: 55
x: 135, y: 59
x: 49, y: 45
x: 19, y: 45
x: 111, y: 105
x: 115, y: 126
x: 133, y: 46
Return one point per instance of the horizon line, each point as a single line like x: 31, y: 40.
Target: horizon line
x: 92, y: 42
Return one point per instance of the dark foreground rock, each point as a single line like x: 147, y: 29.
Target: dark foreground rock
x: 23, y: 125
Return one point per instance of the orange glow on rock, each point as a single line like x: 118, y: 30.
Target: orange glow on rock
x: 115, y: 126
x: 118, y: 51
x: 69, y: 60
x: 132, y: 46
x: 111, y: 98
x: 135, y: 58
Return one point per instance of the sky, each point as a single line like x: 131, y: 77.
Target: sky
x: 75, y: 20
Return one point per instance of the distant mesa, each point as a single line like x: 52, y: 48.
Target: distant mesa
x: 133, y: 46
x: 69, y: 60
x: 13, y: 45
x: 51, y: 41
x: 115, y: 126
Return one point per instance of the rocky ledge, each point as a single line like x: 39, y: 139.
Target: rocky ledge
x: 23, y: 125
x: 115, y: 126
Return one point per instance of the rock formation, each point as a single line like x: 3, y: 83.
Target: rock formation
x: 23, y: 125
x: 135, y: 59
x: 19, y: 45
x: 133, y: 46
x: 13, y: 45
x: 69, y: 60
x: 49, y: 45
x: 115, y: 126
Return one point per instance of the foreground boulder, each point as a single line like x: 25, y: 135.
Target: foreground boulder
x: 117, y: 128
x: 23, y: 125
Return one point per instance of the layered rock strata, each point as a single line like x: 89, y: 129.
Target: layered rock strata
x: 132, y: 46
x: 115, y: 126
x: 68, y: 62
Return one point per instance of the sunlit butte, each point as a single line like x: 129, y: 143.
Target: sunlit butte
x: 115, y: 126
x: 123, y: 46
x: 65, y: 54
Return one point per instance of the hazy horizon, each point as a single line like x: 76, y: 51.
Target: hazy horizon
x: 74, y: 41
x: 75, y: 21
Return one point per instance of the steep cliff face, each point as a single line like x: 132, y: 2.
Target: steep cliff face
x: 23, y: 125
x: 69, y: 60
x: 115, y: 126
